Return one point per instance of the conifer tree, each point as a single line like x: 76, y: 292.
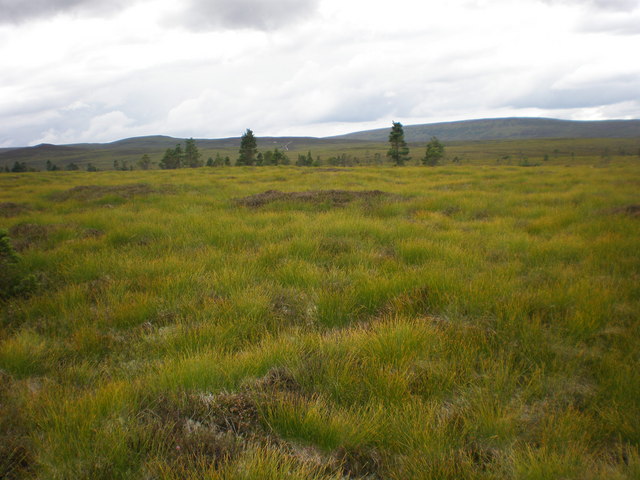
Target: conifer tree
x: 145, y: 162
x: 435, y: 152
x: 399, y: 152
x: 192, y: 156
x: 248, y: 149
x: 172, y: 158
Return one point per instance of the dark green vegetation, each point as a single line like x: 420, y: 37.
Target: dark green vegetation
x: 398, y: 151
x: 248, y: 149
x: 455, y: 322
x: 176, y: 157
x: 435, y: 153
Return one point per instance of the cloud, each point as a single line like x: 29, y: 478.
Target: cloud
x: 251, y: 14
x: 618, y: 17
x: 615, y: 23
x: 611, y: 5
x: 309, y: 67
x: 17, y: 11
x: 574, y: 93
x: 103, y: 127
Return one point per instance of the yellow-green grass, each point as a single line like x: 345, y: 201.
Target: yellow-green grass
x: 475, y: 322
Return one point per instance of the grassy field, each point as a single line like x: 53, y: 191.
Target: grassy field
x: 539, y: 151
x: 457, y: 322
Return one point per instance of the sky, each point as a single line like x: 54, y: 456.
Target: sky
x: 101, y: 70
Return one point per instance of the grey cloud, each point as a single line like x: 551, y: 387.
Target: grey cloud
x: 595, y: 94
x: 358, y: 108
x: 616, y: 24
x: 16, y: 11
x: 252, y: 14
x: 618, y: 5
x: 612, y: 5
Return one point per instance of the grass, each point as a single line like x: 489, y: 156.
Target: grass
x: 335, y: 151
x: 472, y: 321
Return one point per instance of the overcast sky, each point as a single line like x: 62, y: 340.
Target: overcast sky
x: 101, y: 70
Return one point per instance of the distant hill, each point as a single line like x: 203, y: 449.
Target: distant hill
x: 42, y: 152
x: 130, y: 150
x: 506, y: 128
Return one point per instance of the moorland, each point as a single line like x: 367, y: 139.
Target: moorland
x: 474, y: 320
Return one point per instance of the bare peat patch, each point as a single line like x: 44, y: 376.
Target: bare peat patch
x: 27, y: 235
x: 11, y: 209
x: 333, y: 197
x: 629, y: 210
x: 97, y: 192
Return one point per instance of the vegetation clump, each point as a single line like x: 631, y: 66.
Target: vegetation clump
x: 193, y: 431
x: 16, y: 457
x: 14, y: 281
x: 434, y: 152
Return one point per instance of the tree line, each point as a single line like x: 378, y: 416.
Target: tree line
x: 249, y: 155
x: 190, y: 156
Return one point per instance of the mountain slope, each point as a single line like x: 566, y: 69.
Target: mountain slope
x: 44, y: 152
x: 507, y: 128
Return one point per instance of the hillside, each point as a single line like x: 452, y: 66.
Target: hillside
x: 472, y: 139
x: 507, y: 128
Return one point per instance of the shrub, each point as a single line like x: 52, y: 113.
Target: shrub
x: 13, y: 281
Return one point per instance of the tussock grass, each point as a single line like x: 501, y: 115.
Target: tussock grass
x: 473, y: 322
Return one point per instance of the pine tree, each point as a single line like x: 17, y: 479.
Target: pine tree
x: 178, y: 154
x: 248, y: 149
x: 435, y: 152
x: 172, y: 158
x: 399, y: 152
x: 145, y: 162
x: 19, y: 167
x: 279, y: 157
x: 192, y: 156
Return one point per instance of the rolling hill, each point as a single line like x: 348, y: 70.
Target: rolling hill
x: 507, y: 130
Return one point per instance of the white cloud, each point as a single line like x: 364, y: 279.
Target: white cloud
x: 107, y: 126
x: 612, y: 5
x: 77, y: 105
